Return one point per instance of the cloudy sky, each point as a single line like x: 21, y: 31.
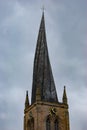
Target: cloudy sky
x: 66, y: 26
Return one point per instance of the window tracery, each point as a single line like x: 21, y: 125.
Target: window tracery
x: 48, y: 124
x: 31, y: 124
x: 56, y: 124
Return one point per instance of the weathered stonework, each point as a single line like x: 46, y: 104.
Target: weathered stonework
x: 41, y: 110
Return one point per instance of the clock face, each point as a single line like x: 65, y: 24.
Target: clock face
x: 52, y: 111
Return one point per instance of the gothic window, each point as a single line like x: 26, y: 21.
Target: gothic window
x: 31, y: 124
x: 48, y: 124
x: 56, y: 124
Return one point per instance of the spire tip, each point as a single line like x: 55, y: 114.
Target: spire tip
x: 26, y: 92
x: 43, y: 8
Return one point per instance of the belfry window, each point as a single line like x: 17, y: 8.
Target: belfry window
x: 48, y: 124
x: 56, y: 124
x: 31, y: 124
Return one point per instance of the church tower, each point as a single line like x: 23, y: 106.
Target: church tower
x: 45, y: 111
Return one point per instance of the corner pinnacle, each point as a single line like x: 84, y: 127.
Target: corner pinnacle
x: 26, y: 100
x: 64, y: 99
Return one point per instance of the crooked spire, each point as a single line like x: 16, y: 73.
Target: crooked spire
x: 42, y: 73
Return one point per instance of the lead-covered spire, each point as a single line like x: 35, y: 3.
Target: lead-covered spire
x: 42, y: 73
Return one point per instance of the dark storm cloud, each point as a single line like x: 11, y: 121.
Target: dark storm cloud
x: 66, y: 36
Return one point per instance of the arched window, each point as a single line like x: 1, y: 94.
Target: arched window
x: 48, y: 124
x: 31, y: 124
x: 56, y: 124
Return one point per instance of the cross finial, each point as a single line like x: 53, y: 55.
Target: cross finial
x: 43, y: 8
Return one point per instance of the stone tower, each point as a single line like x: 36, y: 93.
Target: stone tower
x: 45, y: 111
